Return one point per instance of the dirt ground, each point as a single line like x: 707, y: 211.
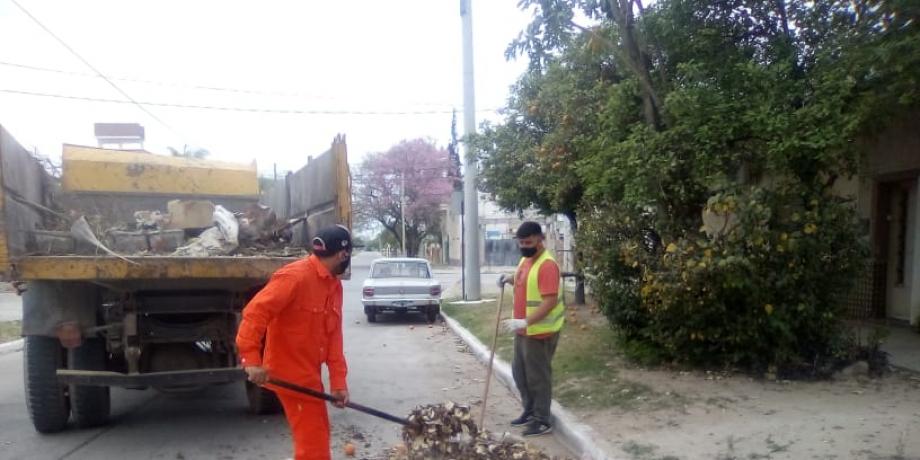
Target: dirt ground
x: 704, y: 415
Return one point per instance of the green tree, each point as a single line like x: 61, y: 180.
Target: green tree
x: 746, y: 111
x: 532, y: 158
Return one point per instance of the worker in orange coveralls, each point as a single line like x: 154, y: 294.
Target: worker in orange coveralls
x: 301, y: 310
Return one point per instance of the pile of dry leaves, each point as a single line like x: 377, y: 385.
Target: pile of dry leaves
x: 447, y: 431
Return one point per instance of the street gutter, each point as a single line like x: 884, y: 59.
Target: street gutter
x: 579, y: 437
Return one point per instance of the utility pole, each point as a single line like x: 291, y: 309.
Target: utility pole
x: 470, y: 193
x: 402, y: 210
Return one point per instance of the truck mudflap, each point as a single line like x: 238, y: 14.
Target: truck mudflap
x: 153, y: 379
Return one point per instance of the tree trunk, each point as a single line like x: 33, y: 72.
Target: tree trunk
x: 621, y: 13
x: 414, y: 239
x: 580, y: 278
x: 392, y: 230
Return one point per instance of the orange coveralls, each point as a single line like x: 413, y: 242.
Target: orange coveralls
x: 301, y: 311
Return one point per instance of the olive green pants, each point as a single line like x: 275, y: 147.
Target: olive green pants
x: 532, y: 368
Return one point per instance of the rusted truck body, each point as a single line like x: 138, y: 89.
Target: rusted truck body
x: 92, y: 320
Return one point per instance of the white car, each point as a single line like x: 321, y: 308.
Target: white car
x: 401, y: 285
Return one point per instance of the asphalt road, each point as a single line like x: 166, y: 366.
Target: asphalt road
x: 395, y: 365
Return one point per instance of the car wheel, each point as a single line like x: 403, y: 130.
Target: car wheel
x: 432, y: 314
x: 371, y: 317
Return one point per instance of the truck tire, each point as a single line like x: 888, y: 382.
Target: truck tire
x: 371, y: 317
x: 46, y: 398
x: 89, y: 405
x: 262, y: 401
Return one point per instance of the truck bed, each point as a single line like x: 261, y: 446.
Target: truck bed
x: 33, y: 201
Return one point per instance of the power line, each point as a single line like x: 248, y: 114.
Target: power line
x: 232, y: 108
x: 193, y: 86
x: 93, y: 68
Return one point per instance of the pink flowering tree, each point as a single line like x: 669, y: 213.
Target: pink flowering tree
x: 377, y: 181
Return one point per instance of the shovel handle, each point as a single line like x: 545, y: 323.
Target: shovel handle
x: 330, y: 398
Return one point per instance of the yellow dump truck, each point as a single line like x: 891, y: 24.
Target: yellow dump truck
x: 95, y: 316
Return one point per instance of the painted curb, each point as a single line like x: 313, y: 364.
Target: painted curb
x: 577, y: 435
x: 10, y: 347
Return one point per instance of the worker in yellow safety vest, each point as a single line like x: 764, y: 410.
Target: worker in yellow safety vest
x: 538, y: 317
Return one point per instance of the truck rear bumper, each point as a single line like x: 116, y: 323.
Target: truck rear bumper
x: 154, y: 379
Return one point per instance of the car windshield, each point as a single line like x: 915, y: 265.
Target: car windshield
x: 400, y: 270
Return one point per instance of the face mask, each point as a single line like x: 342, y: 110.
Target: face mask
x: 342, y: 266
x: 528, y: 252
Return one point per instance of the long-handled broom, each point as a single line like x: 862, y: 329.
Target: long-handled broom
x: 485, y: 394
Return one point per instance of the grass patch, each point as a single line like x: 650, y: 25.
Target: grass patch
x: 10, y: 330
x: 480, y: 320
x: 585, y: 368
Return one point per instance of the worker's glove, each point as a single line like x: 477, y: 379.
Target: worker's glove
x: 502, y: 280
x: 514, y: 325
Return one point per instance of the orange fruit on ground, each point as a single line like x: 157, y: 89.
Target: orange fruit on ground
x: 349, y: 449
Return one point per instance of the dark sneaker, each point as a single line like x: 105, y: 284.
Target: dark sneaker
x: 524, y: 419
x: 537, y: 429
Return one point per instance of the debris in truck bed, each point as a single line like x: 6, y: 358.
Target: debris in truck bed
x: 211, y: 242
x: 257, y: 223
x: 165, y: 241
x: 126, y: 242
x: 150, y: 220
x: 254, y: 232
x: 190, y: 214
x: 81, y: 232
x: 263, y: 251
x: 228, y: 225
x: 220, y: 240
x: 448, y: 431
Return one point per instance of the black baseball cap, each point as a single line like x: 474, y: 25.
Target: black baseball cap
x: 528, y: 229
x: 331, y: 240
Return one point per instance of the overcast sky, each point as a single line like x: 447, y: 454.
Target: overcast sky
x: 312, y: 55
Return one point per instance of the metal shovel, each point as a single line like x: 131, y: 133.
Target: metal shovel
x: 330, y: 398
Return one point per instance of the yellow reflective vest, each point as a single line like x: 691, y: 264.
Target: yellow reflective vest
x: 553, y: 321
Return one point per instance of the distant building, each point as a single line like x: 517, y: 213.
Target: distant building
x: 497, y: 228
x: 126, y: 136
